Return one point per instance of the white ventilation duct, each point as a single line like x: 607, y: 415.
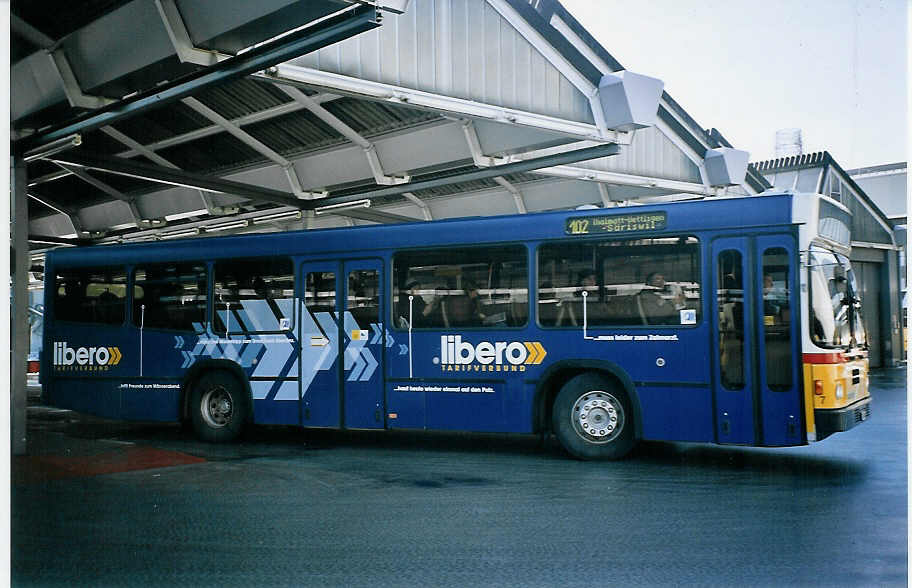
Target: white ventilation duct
x: 788, y: 142
x: 725, y: 166
x: 629, y: 100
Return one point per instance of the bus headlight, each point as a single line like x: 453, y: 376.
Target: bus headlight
x: 840, y: 392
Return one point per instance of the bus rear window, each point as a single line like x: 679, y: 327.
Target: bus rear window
x: 91, y: 295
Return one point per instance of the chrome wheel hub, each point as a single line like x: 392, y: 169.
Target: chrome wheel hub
x: 216, y: 407
x: 598, y: 417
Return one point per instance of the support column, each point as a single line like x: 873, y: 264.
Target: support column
x: 891, y: 310
x: 19, y: 326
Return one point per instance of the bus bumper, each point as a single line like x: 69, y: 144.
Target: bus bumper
x: 835, y: 420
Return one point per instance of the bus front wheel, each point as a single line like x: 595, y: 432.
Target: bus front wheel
x: 218, y: 407
x: 592, y: 418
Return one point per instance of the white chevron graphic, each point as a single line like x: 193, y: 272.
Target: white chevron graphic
x: 378, y: 334
x: 314, y: 357
x: 353, y: 350
x: 331, y: 332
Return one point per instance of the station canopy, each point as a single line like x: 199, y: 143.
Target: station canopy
x: 157, y: 119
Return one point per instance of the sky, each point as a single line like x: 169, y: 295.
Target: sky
x: 836, y: 69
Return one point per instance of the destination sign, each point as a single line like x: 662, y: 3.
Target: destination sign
x: 619, y: 223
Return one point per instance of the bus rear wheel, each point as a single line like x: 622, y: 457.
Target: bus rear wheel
x: 218, y: 407
x: 593, y: 419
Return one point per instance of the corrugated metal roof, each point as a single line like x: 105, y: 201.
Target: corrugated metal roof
x: 242, y: 97
x: 792, y: 163
x: 868, y: 220
x: 372, y: 118
x: 217, y: 153
x: 162, y: 123
x: 295, y: 133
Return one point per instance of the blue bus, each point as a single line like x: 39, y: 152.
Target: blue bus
x: 730, y: 321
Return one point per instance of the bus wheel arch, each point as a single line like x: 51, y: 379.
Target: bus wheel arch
x: 558, y: 375
x: 228, y: 407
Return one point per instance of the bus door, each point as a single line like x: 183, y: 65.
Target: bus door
x: 363, y: 338
x: 320, y: 335
x: 732, y: 342
x: 777, y: 340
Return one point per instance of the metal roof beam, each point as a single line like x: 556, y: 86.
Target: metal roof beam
x: 30, y: 33
x: 343, y: 25
x: 176, y: 178
x: 180, y: 37
x: 349, y: 133
x: 75, y: 96
x: 555, y: 58
x: 263, y: 115
x: 620, y: 179
x: 66, y: 211
x: 375, y: 216
x: 236, y: 131
x: 514, y: 191
x: 211, y: 208
x: 477, y: 174
x: 359, y: 88
x: 148, y: 150
x: 425, y: 208
x: 111, y: 191
x: 45, y: 240
x: 255, y: 144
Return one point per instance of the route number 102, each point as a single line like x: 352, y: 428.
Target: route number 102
x: 579, y: 226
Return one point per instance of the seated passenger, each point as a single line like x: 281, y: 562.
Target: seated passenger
x: 465, y: 310
x: 657, y: 303
x: 588, y: 283
x: 420, y: 310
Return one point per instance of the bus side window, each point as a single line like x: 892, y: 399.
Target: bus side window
x: 776, y: 318
x: 91, y: 295
x: 320, y: 292
x: 364, y: 296
x: 471, y: 287
x: 170, y: 296
x: 730, y: 297
x: 254, y: 295
x: 654, y: 281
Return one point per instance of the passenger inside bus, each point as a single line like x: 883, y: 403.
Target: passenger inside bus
x: 775, y: 302
x: 464, y: 310
x: 420, y: 309
x: 70, y: 304
x: 659, y: 303
x: 587, y: 281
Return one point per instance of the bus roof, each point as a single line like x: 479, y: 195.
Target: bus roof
x: 713, y: 214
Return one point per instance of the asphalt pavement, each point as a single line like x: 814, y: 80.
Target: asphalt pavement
x: 104, y: 503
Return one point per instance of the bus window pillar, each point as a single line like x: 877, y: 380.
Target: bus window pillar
x: 20, y: 325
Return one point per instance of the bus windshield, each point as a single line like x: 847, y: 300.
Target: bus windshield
x: 835, y: 310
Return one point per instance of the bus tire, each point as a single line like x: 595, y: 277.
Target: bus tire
x: 218, y: 407
x: 593, y: 419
